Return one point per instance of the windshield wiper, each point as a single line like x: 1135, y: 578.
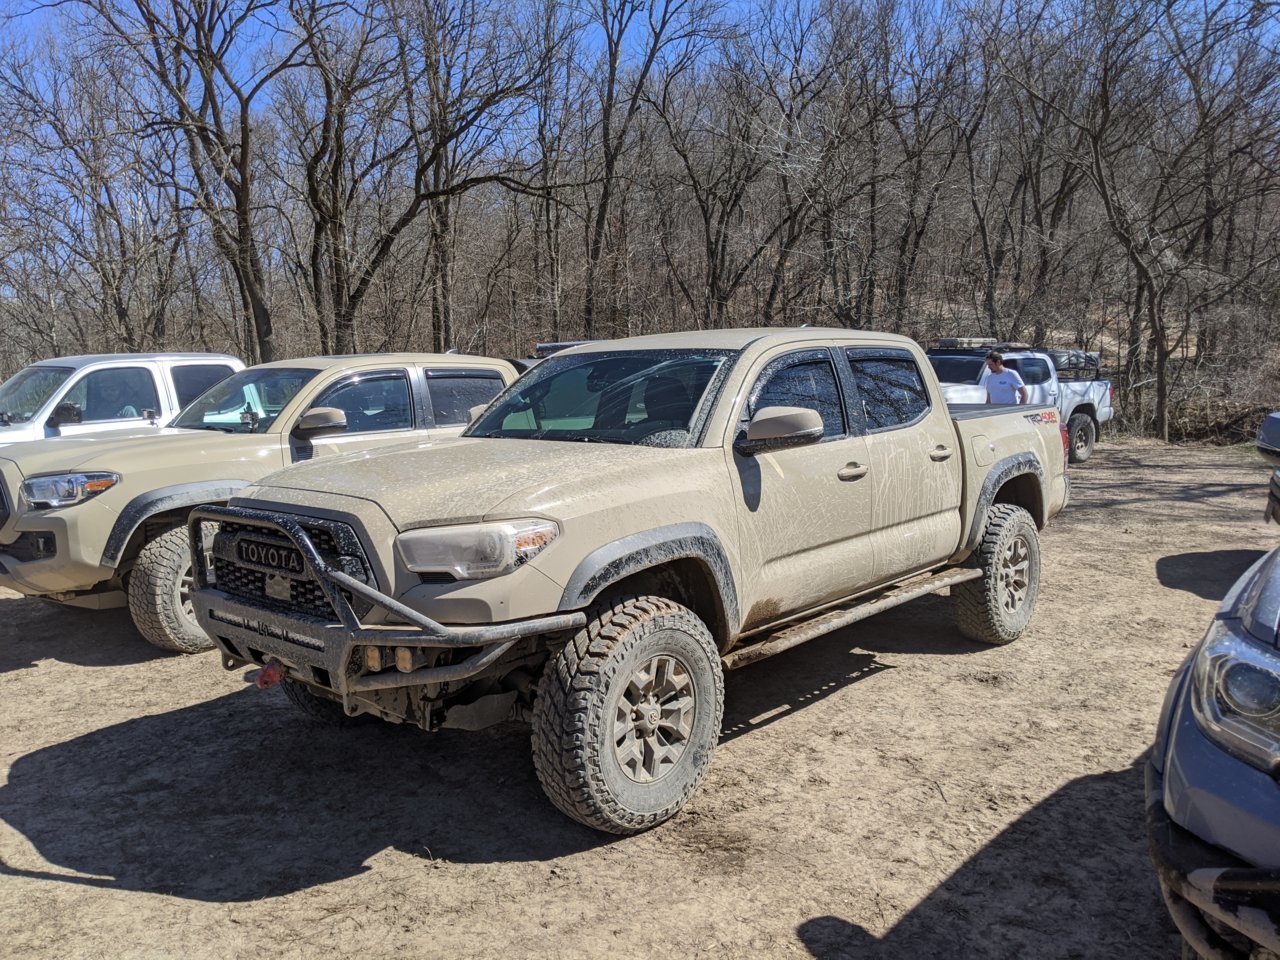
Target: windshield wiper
x: 204, y: 426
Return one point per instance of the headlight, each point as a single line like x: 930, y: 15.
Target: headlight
x: 1236, y: 694
x: 475, y: 551
x: 65, y: 489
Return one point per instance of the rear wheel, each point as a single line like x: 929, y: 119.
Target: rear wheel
x: 628, y: 714
x: 1082, y: 433
x: 160, y: 595
x: 996, y: 607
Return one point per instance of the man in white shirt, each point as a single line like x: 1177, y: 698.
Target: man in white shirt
x: 1004, y: 385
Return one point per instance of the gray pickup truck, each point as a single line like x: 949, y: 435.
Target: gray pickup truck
x: 623, y: 523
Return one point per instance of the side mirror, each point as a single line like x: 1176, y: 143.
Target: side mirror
x: 319, y: 420
x: 65, y: 412
x: 474, y: 413
x: 776, y: 428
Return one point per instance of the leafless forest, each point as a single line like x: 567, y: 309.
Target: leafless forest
x: 281, y: 177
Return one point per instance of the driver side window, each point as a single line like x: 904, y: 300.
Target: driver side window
x: 372, y: 403
x: 810, y: 384
x: 121, y: 393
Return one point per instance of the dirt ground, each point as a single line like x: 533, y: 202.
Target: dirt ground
x: 888, y: 791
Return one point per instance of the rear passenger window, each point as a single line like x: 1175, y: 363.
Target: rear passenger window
x: 193, y: 379
x: 810, y: 384
x: 1032, y: 370
x: 893, y: 393
x: 452, y: 397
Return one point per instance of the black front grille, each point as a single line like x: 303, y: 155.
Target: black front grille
x: 335, y: 542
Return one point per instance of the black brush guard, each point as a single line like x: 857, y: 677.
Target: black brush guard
x: 322, y: 653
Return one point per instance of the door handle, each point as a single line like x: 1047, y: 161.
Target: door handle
x: 940, y: 453
x: 852, y: 471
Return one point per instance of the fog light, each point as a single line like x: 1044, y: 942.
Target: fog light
x: 373, y: 659
x: 1251, y: 691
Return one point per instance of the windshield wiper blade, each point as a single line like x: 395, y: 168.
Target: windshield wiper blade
x: 205, y: 426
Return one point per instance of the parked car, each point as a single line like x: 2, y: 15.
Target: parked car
x: 627, y: 520
x: 70, y: 396
x: 98, y: 521
x: 1082, y: 397
x: 1213, y: 803
x: 1269, y: 447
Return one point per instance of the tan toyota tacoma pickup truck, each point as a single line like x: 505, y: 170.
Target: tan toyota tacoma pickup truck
x: 625, y: 522
x: 100, y: 519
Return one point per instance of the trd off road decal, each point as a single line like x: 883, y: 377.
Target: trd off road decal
x: 1050, y: 416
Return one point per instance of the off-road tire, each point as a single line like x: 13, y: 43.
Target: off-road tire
x: 155, y: 600
x: 1082, y: 434
x: 575, y: 732
x: 320, y: 710
x: 982, y: 606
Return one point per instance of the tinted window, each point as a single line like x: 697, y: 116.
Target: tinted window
x: 372, y: 403
x: 958, y: 369
x: 892, y: 392
x: 453, y: 397
x: 1033, y: 371
x: 811, y: 385
x: 247, y: 402
x: 122, y: 393
x: 194, y: 379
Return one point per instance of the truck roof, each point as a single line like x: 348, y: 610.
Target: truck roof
x: 736, y: 339
x: 346, y: 360
x: 89, y: 359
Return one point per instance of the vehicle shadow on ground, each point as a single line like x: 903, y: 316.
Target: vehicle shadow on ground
x: 239, y: 798
x: 767, y: 691
x: 1058, y: 882
x: 35, y: 630
x: 1208, y: 574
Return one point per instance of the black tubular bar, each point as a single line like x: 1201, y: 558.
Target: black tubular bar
x: 428, y: 632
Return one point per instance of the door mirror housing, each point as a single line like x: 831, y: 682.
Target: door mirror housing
x: 65, y: 412
x: 321, y: 420
x: 474, y: 413
x: 776, y: 428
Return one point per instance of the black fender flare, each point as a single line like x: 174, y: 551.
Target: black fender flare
x: 1002, y: 471
x: 146, y: 505
x: 652, y: 548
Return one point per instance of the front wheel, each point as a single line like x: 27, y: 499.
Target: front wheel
x: 1082, y: 433
x: 628, y: 714
x: 996, y: 607
x: 160, y: 595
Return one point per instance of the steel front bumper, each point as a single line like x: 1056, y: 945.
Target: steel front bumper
x: 1222, y: 906
x: 328, y: 654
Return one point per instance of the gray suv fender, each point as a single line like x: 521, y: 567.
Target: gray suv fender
x: 147, y: 505
x: 638, y: 552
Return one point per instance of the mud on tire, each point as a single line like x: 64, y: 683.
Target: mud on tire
x: 628, y: 714
x: 1082, y: 433
x: 159, y: 595
x: 997, y: 607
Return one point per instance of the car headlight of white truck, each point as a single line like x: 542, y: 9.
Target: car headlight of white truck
x: 1236, y: 694
x: 475, y: 551
x: 66, y: 489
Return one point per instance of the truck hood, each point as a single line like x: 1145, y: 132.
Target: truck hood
x: 466, y: 479
x: 1255, y: 599
x: 149, y: 449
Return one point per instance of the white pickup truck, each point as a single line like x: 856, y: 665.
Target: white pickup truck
x: 1082, y: 398
x: 110, y: 391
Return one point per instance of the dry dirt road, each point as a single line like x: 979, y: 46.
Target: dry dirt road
x: 887, y: 791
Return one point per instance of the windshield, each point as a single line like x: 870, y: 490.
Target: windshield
x: 247, y: 402
x: 958, y: 369
x: 23, y: 394
x: 650, y: 397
